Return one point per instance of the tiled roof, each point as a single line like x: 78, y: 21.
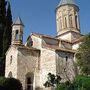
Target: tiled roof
x: 56, y: 38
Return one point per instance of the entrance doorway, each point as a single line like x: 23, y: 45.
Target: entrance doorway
x: 29, y: 84
x: 29, y: 81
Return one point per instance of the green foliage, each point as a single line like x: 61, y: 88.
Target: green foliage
x: 80, y: 83
x: 61, y: 86
x: 2, y: 11
x: 2, y: 81
x: 52, y: 80
x: 83, y: 55
x: 65, y: 86
x: 2, y: 25
x: 10, y: 83
x: 8, y: 29
x: 5, y: 32
x: 9, y: 23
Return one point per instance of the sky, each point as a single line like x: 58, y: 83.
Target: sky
x: 39, y: 15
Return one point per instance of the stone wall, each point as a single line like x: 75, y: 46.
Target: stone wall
x: 28, y: 65
x: 48, y: 64
x: 37, y: 42
x: 65, y: 66
x: 11, y: 62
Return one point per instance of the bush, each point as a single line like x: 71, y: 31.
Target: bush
x: 80, y: 83
x: 10, y: 84
x: 52, y: 80
x: 2, y: 80
x: 65, y: 86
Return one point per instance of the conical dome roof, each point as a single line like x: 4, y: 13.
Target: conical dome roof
x: 64, y: 2
x: 18, y: 22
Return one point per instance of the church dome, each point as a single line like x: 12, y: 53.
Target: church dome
x: 65, y: 2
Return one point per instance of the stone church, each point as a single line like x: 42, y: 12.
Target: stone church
x: 43, y: 54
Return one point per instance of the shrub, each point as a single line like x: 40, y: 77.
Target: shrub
x: 65, y: 86
x: 2, y: 80
x: 10, y: 84
x: 52, y: 80
x: 82, y: 82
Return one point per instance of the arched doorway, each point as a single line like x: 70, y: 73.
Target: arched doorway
x: 29, y: 81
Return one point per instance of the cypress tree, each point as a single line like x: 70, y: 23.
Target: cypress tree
x: 8, y: 30
x: 2, y: 28
x: 2, y: 24
x: 9, y: 22
x: 5, y: 32
x: 2, y: 11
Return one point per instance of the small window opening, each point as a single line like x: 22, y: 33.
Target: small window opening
x: 66, y: 58
x: 10, y: 59
x: 21, y: 36
x: 71, y: 23
x: 65, y: 22
x: 60, y: 23
x: 76, y: 22
x: 17, y: 35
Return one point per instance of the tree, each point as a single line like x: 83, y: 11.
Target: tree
x: 52, y: 80
x: 2, y: 11
x: 83, y: 55
x: 5, y: 32
x: 2, y: 24
x: 2, y: 29
x: 8, y: 30
x: 9, y: 23
x: 55, y: 81
x: 10, y: 84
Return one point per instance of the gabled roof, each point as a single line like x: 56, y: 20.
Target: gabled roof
x: 65, y: 2
x: 21, y: 47
x: 18, y: 22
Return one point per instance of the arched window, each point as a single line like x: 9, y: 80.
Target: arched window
x: 60, y: 23
x: 65, y: 22
x: 70, y: 21
x: 11, y: 59
x: 21, y: 36
x: 17, y: 35
x: 76, y: 22
x: 10, y: 74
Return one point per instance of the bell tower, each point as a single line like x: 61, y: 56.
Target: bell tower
x: 17, y: 32
x: 67, y: 20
